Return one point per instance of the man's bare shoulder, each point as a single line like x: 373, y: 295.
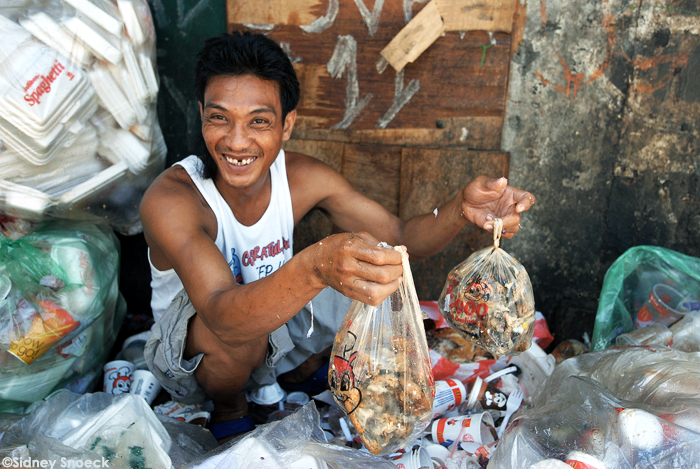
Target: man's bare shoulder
x: 173, y: 197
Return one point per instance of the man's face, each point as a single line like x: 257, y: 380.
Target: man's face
x: 243, y: 128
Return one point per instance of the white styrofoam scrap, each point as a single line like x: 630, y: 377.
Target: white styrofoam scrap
x: 24, y: 201
x: 98, y: 16
x: 101, y: 45
x: 126, y: 147
x: 94, y: 184
x: 12, y: 35
x: 131, y: 21
x: 44, y: 28
x: 134, y: 70
x: 149, y: 75
x: 112, y: 97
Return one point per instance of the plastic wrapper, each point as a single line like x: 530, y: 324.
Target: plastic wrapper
x: 70, y: 430
x: 60, y: 309
x: 380, y: 370
x: 296, y: 442
x: 629, y: 281
x: 79, y: 134
x: 627, y: 407
x: 488, y: 298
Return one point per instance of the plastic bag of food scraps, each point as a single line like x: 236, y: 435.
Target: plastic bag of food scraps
x: 488, y: 299
x: 380, y: 371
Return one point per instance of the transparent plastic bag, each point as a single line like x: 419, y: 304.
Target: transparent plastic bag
x: 296, y: 442
x: 79, y: 134
x: 488, y: 299
x: 629, y: 281
x: 627, y: 407
x: 119, y: 429
x: 380, y: 371
x: 60, y: 311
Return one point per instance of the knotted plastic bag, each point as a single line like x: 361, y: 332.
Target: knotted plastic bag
x: 488, y: 299
x: 380, y: 372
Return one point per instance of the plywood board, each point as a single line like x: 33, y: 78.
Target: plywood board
x: 477, y: 15
x: 429, y: 178
x: 459, y: 76
x: 297, y: 12
x: 419, y: 34
x: 328, y: 151
x: 472, y: 132
x: 374, y: 170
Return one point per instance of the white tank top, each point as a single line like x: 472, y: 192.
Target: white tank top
x: 252, y: 252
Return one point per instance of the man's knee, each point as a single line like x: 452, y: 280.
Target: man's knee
x: 223, y: 369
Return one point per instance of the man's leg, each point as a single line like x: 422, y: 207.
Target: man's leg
x: 224, y: 370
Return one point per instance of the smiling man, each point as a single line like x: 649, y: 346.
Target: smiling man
x: 229, y: 296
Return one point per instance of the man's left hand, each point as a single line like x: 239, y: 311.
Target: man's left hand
x: 485, y: 199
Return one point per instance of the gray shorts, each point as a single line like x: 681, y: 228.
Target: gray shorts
x: 288, y: 345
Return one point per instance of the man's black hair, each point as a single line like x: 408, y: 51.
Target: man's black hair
x: 243, y: 53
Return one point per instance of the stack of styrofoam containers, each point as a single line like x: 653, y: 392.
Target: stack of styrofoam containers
x: 77, y: 104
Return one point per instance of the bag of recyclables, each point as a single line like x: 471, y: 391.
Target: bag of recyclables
x: 488, y: 299
x: 79, y: 135
x: 60, y: 309
x: 380, y: 372
x: 69, y: 430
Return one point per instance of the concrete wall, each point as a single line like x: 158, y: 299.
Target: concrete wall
x: 602, y: 124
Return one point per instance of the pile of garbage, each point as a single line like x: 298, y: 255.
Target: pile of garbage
x: 79, y: 134
x: 634, y: 405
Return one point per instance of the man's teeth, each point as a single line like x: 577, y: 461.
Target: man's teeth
x: 244, y: 162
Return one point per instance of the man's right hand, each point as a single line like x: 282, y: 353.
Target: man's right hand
x: 354, y: 265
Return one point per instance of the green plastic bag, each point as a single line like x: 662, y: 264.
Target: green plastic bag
x: 629, y: 281
x: 60, y: 309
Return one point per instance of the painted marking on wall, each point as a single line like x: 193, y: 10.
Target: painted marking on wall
x: 324, y: 22
x: 401, y: 98
x: 371, y: 18
x: 191, y: 111
x: 287, y: 48
x: 345, y: 56
x: 260, y: 27
x: 408, y: 9
x: 184, y: 19
x: 381, y: 65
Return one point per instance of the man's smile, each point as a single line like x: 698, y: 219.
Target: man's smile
x: 241, y: 161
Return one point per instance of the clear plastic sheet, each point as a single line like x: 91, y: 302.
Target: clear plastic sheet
x: 297, y: 441
x: 60, y: 309
x: 626, y: 407
x: 79, y: 134
x: 122, y: 429
x: 488, y: 299
x: 380, y: 370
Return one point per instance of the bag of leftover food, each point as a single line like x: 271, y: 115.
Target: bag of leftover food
x: 380, y: 370
x: 488, y: 299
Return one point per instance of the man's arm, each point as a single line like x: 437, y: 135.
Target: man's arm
x: 179, y: 228
x: 480, y: 202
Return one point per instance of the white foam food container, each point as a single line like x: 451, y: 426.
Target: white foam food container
x: 12, y: 36
x: 48, y: 31
x: 36, y: 81
x: 100, y: 17
x: 121, y: 145
x: 24, y: 201
x: 101, y: 44
x: 149, y: 75
x: 112, y: 97
x: 94, y: 184
x: 132, y: 22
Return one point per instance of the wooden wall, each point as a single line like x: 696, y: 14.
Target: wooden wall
x: 407, y: 134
